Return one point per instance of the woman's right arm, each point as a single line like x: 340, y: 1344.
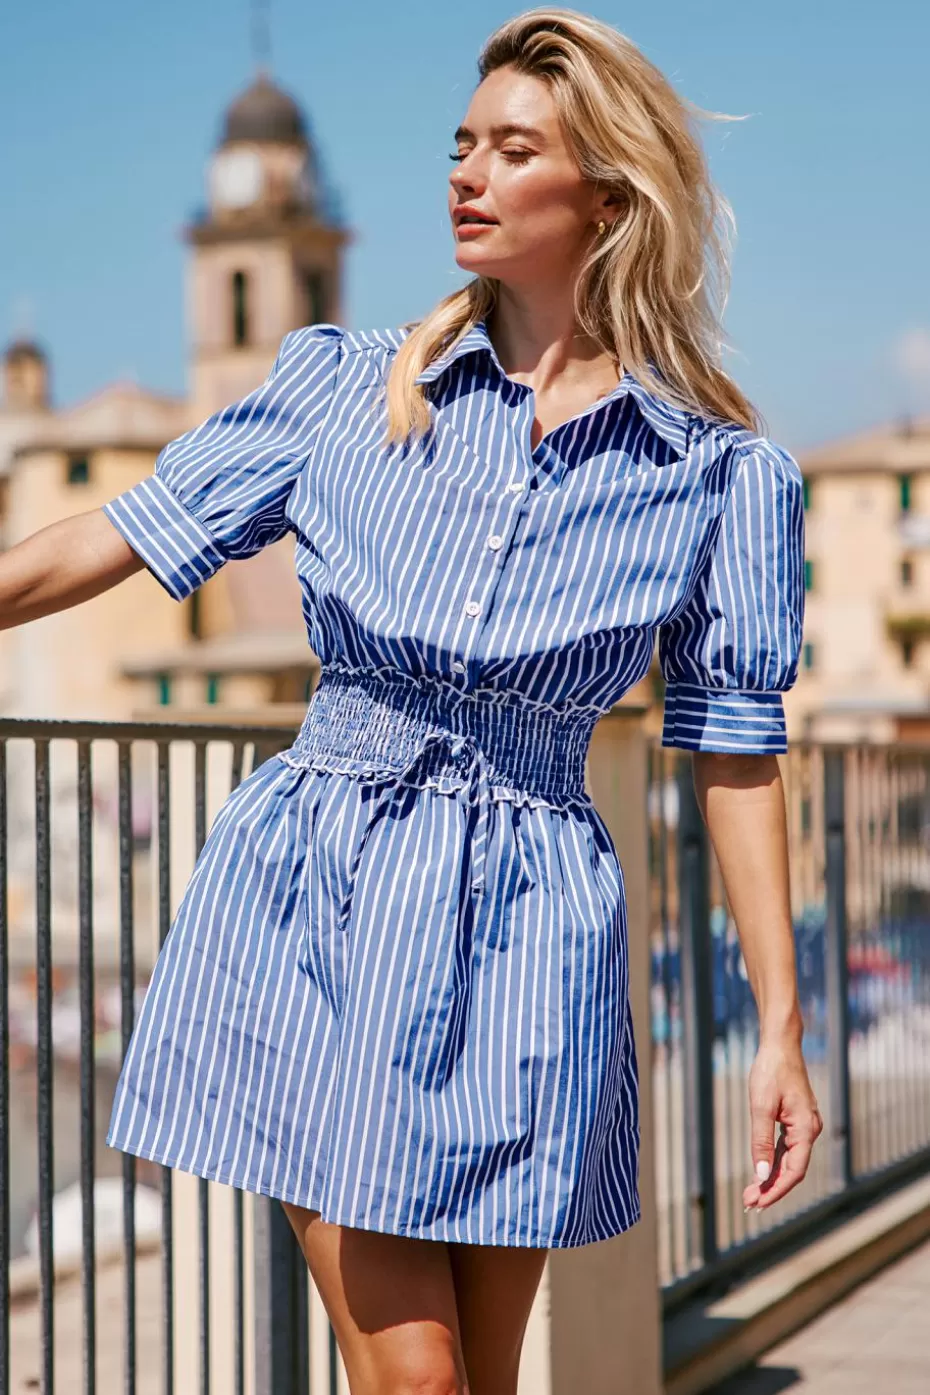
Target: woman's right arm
x: 218, y: 492
x: 62, y: 565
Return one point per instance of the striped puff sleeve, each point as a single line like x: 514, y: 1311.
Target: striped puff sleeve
x: 220, y: 491
x: 728, y: 656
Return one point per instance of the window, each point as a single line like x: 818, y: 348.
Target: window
x: 315, y: 283
x: 907, y: 652
x: 808, y: 575
x: 213, y: 687
x: 164, y: 689
x: 808, y: 655
x: 240, y: 300
x: 79, y: 470
x: 904, y: 487
x: 907, y: 571
x: 806, y: 493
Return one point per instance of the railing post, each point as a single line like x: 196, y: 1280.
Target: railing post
x: 601, y: 1302
x: 282, y: 1357
x: 837, y: 964
x: 697, y: 1010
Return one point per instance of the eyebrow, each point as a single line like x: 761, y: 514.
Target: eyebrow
x: 508, y: 128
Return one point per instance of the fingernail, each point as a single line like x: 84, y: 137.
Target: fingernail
x: 762, y: 1170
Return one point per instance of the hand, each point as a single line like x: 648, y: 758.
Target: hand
x: 780, y: 1092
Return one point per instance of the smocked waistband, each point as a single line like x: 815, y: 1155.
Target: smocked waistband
x: 377, y: 721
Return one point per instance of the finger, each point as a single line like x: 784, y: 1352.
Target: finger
x: 791, y: 1172
x: 755, y: 1189
x: 762, y: 1140
x: 781, y: 1149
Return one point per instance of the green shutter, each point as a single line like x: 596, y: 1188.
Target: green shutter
x: 808, y: 575
x: 904, y: 482
x: 164, y: 689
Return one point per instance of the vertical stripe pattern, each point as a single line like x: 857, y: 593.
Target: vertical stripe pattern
x: 396, y: 988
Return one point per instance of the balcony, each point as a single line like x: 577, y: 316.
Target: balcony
x: 144, y: 1278
x: 914, y: 529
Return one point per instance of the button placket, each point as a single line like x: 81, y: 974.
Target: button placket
x: 494, y: 542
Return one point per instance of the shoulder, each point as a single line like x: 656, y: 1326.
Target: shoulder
x: 325, y: 337
x: 753, y: 461
x: 762, y: 454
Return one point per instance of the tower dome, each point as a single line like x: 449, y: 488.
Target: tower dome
x: 20, y: 349
x: 265, y: 114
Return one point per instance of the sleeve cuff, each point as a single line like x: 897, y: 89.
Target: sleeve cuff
x: 723, y: 719
x: 176, y: 548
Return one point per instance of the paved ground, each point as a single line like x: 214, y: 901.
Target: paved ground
x: 875, y: 1340
x: 25, y: 1333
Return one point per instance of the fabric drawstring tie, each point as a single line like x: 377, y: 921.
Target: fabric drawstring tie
x: 422, y: 762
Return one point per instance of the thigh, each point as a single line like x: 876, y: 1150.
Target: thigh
x: 391, y: 1302
x: 494, y: 1290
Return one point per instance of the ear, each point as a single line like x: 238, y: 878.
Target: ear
x: 608, y: 207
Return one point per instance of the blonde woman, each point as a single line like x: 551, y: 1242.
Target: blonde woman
x: 394, y: 996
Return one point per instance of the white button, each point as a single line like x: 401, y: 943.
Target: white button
x: 516, y: 487
x: 495, y: 541
x: 472, y: 607
x: 458, y: 665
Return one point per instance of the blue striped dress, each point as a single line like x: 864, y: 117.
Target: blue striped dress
x: 396, y: 987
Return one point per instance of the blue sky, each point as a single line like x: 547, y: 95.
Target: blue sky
x: 109, y: 112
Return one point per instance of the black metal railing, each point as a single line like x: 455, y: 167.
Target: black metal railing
x: 99, y: 824
x: 859, y: 849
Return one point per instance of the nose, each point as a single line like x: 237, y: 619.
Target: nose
x: 467, y: 175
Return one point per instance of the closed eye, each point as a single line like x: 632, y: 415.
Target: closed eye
x: 516, y: 157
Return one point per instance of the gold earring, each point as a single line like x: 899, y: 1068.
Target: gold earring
x: 602, y: 226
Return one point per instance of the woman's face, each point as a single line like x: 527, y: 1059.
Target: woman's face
x: 516, y: 169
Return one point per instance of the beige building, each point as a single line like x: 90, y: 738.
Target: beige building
x: 865, y: 670
x: 266, y: 256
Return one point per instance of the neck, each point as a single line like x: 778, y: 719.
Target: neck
x: 544, y: 341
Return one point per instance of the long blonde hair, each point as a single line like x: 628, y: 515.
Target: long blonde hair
x: 652, y: 289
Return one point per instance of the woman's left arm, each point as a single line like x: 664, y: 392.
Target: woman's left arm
x: 742, y: 802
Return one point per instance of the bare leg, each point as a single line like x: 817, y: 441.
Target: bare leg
x: 494, y: 1288
x: 391, y: 1301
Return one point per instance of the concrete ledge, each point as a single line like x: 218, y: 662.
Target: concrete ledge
x: 707, y: 1342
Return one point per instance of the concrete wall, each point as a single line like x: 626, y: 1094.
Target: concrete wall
x: 595, y: 1324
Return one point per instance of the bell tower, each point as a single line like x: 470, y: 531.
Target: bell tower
x: 267, y: 250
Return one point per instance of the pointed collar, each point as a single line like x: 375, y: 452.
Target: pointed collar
x: 670, y: 422
x: 473, y: 341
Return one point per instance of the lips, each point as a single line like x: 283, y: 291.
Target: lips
x: 471, y: 216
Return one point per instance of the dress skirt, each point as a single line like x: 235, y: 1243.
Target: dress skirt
x: 396, y: 988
